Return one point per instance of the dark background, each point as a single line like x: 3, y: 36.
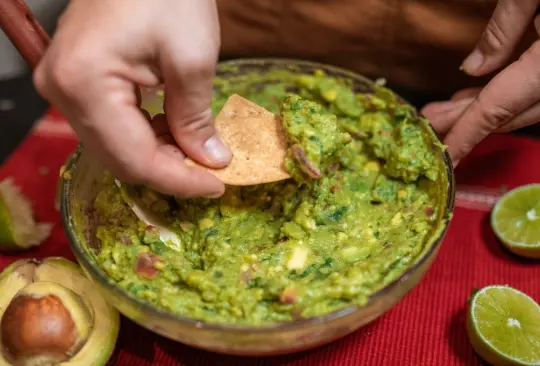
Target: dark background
x: 21, y: 106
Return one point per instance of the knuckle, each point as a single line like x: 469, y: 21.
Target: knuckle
x: 494, y: 116
x: 69, y: 71
x: 40, y: 81
x: 66, y: 76
x: 494, y: 39
x: 199, y: 63
x: 197, y: 123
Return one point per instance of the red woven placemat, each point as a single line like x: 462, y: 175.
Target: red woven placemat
x: 426, y: 328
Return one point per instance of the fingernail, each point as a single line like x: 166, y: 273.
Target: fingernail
x: 438, y: 107
x: 214, y: 195
x: 217, y: 150
x: 473, y: 62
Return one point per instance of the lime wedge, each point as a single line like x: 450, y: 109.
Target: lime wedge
x: 516, y: 220
x: 18, y: 230
x: 504, y: 326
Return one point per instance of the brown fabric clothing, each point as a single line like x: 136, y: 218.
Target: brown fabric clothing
x: 415, y: 44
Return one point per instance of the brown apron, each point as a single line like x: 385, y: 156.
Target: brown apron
x: 415, y: 44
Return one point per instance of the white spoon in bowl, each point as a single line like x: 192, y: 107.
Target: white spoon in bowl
x: 151, y: 218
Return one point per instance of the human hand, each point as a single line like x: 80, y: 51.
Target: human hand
x: 102, y: 50
x: 511, y: 100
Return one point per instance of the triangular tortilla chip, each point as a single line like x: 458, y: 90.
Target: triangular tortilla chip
x: 257, y: 141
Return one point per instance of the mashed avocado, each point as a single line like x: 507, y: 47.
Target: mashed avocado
x: 361, y: 207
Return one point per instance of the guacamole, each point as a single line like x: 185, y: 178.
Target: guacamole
x: 361, y: 207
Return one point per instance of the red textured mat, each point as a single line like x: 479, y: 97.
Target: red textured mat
x: 426, y: 328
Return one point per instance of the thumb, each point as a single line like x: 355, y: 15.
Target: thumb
x: 501, y: 36
x: 188, y: 97
x: 188, y: 66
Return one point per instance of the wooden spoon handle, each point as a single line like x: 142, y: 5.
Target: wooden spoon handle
x: 23, y: 30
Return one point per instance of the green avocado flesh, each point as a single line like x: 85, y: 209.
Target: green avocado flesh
x: 364, y: 204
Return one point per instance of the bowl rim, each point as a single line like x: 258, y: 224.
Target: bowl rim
x: 146, y: 307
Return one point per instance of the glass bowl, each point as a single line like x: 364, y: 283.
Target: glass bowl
x: 84, y: 179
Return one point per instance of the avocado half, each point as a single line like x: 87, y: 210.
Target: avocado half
x: 51, y: 314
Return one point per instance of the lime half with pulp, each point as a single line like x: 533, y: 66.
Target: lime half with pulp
x: 516, y: 220
x: 18, y: 229
x: 504, y: 326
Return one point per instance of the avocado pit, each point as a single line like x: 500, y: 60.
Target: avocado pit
x: 45, y: 321
x: 51, y: 314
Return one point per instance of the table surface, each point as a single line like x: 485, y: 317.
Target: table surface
x: 426, y: 328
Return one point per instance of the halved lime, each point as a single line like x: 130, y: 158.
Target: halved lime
x: 18, y: 230
x: 504, y: 326
x: 516, y: 220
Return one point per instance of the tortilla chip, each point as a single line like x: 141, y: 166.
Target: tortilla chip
x: 257, y: 141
